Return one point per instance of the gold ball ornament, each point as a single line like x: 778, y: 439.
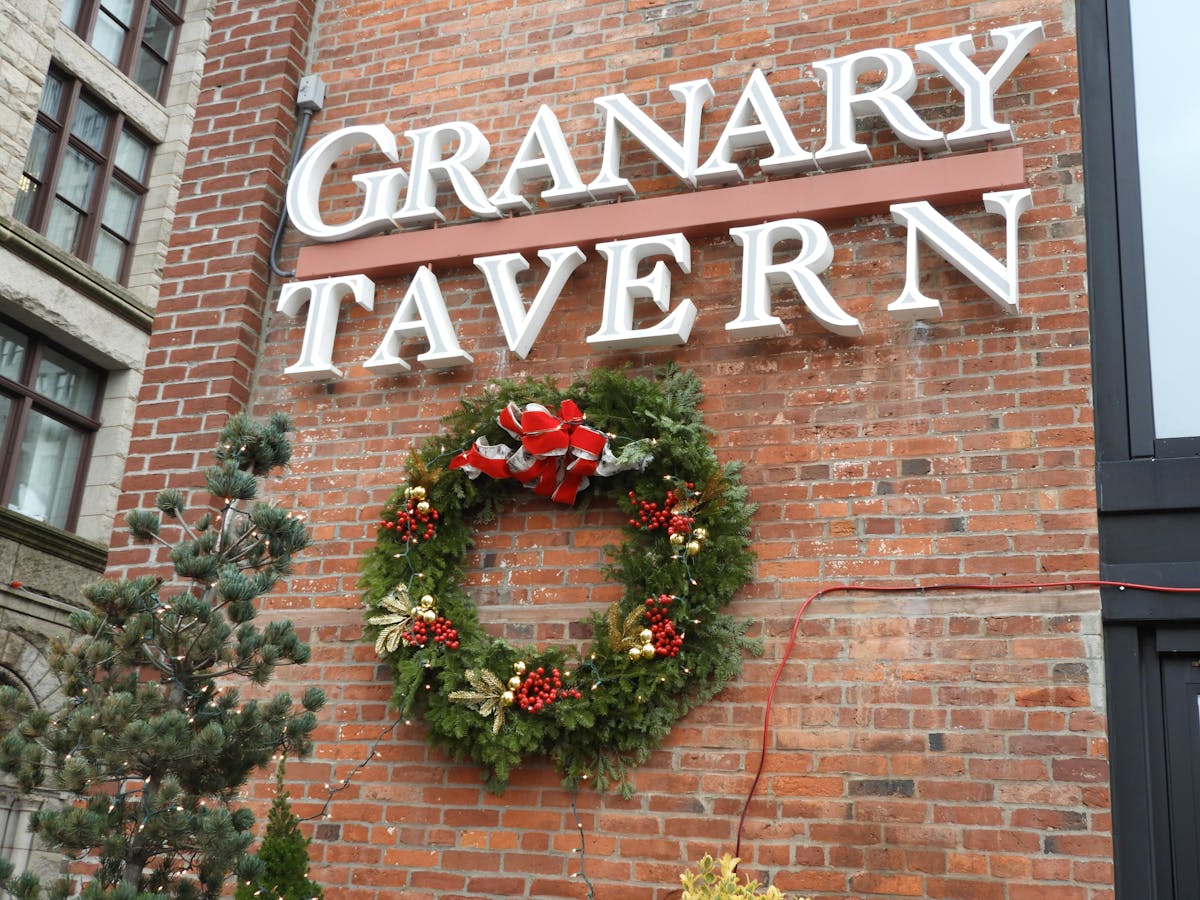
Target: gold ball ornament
x: 423, y: 507
x: 508, y: 698
x: 519, y: 667
x: 418, y: 492
x: 429, y: 616
x: 693, y: 548
x: 635, y: 653
x: 648, y: 651
x: 427, y: 601
x: 514, y: 682
x: 700, y: 534
x: 677, y: 539
x: 646, y: 636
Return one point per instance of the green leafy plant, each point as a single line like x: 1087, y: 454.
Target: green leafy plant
x: 715, y: 880
x: 153, y: 740
x: 284, y: 854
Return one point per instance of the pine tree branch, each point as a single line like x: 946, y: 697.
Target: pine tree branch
x: 159, y: 539
x: 153, y: 753
x: 150, y: 653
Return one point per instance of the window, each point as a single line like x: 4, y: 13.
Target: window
x: 136, y: 36
x: 1146, y: 320
x: 1161, y: 56
x: 84, y: 178
x: 49, y: 403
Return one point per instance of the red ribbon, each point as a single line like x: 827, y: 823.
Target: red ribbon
x: 473, y: 458
x: 556, y: 456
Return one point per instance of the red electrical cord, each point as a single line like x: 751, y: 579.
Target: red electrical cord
x: 892, y: 589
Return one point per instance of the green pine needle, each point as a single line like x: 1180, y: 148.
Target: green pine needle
x: 628, y: 706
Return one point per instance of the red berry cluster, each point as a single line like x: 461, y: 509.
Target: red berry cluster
x: 442, y: 631
x: 652, y: 517
x: 539, y: 690
x: 666, y: 640
x: 411, y: 524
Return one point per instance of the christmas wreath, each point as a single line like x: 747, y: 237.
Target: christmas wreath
x: 665, y: 647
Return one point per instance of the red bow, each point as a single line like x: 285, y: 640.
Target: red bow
x: 556, y: 456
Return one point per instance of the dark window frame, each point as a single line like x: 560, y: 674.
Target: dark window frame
x: 61, y: 139
x: 1141, y: 796
x: 1135, y: 470
x: 85, y: 25
x: 1148, y: 489
x: 26, y: 400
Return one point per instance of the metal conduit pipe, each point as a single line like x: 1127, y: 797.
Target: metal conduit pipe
x: 310, y: 98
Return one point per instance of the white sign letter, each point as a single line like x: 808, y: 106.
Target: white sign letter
x: 760, y: 274
x: 740, y: 132
x: 840, y: 77
x: 521, y: 328
x: 679, y: 158
x: 1000, y: 282
x: 324, y: 298
x: 622, y: 286
x: 421, y: 312
x: 555, y: 162
x: 979, y: 88
x: 382, y: 188
x: 429, y: 159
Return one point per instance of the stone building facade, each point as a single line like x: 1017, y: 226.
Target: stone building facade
x: 82, y: 99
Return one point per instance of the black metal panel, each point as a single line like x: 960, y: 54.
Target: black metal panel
x: 1154, y: 537
x: 1177, y: 640
x: 1157, y: 792
x: 1118, y: 607
x: 1104, y: 270
x: 1133, y: 820
x: 1128, y: 214
x: 1144, y: 484
x: 1180, y: 681
x: 1148, y: 490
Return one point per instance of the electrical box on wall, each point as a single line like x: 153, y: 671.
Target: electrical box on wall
x: 311, y: 93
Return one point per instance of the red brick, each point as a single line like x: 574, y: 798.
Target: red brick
x: 912, y: 457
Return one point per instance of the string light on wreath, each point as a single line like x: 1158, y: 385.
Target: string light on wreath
x: 636, y: 443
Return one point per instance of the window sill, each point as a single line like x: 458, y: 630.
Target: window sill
x: 60, y: 265
x: 54, y: 541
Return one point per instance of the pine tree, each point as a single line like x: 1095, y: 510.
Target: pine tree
x: 154, y: 740
x: 284, y: 854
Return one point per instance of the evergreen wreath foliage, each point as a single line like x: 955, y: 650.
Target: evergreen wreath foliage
x: 605, y: 711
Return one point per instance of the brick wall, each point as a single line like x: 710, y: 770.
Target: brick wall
x: 921, y: 743
x: 210, y: 312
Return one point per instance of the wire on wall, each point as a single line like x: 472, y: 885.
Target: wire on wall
x: 904, y: 589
